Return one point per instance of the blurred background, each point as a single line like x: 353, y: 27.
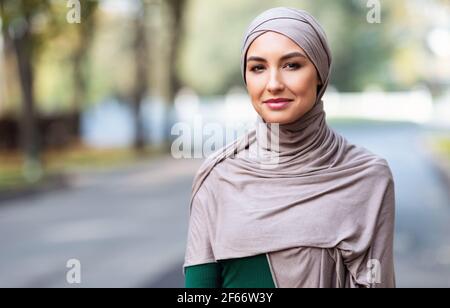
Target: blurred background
x: 88, y: 102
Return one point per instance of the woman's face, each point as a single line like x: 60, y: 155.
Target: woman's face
x: 281, y: 80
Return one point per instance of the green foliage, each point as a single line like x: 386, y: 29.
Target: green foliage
x: 17, y: 14
x: 362, y: 52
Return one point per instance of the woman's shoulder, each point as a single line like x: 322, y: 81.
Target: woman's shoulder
x: 204, y: 177
x: 375, y: 163
x: 207, y: 167
x: 205, y: 172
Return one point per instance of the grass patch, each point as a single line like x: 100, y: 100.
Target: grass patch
x: 86, y: 158
x: 12, y: 179
x: 442, y: 145
x: 438, y: 145
x: 77, y: 158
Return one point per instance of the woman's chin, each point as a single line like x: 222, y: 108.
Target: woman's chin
x: 277, y: 117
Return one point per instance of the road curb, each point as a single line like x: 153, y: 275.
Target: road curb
x: 49, y: 184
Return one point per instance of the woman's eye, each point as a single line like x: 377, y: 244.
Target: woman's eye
x: 257, y: 68
x: 293, y: 66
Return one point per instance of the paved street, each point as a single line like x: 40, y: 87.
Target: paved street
x: 127, y: 227
x: 422, y: 242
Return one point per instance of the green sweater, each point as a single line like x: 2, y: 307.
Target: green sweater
x: 251, y: 272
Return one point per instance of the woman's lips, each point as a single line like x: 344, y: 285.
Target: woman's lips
x: 277, y: 104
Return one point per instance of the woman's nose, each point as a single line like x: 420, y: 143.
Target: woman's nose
x: 275, y: 83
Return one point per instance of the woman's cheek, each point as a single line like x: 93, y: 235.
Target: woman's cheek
x: 255, y: 88
x: 303, y: 85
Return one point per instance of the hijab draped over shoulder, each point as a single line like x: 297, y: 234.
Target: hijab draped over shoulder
x: 313, y: 200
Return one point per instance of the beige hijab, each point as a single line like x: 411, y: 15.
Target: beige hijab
x: 319, y: 192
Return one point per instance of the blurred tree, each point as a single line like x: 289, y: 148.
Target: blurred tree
x: 7, y: 50
x: 176, y: 12
x: 85, y: 34
x: 176, y: 15
x: 22, y: 21
x: 362, y: 52
x: 140, y: 89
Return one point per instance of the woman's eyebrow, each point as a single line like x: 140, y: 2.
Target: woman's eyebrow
x: 285, y: 57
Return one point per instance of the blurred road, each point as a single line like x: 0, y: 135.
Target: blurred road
x: 422, y: 241
x: 127, y: 227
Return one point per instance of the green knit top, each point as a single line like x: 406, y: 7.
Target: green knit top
x: 250, y: 272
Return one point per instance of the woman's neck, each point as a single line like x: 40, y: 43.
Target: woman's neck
x: 294, y: 138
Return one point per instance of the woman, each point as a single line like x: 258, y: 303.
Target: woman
x: 307, y: 208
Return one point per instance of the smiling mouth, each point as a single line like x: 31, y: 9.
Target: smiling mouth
x: 278, y: 104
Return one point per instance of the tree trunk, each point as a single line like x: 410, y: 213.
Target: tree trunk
x: 141, y: 58
x: 80, y: 89
x: 176, y: 10
x: 86, y: 34
x: 6, y: 51
x: 23, y: 47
